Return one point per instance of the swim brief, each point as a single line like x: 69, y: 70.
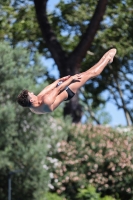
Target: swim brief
x: 68, y: 90
x: 70, y: 93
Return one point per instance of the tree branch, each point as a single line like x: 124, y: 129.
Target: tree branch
x: 87, y: 38
x: 54, y: 46
x: 89, y: 109
x: 126, y: 112
x: 92, y: 115
x: 48, y: 34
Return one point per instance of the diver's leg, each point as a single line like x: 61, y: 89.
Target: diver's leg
x: 94, y: 71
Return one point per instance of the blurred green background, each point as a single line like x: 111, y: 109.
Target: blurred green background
x: 72, y: 153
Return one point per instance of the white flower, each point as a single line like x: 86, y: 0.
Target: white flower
x: 50, y: 186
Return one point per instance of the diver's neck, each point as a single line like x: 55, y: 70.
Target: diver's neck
x: 37, y: 103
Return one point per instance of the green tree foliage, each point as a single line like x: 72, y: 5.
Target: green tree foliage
x: 19, y: 25
x: 69, y: 22
x: 94, y: 155
x: 51, y: 196
x: 24, y: 137
x: 90, y: 193
x: 115, y: 30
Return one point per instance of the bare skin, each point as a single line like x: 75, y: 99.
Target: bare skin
x: 51, y: 96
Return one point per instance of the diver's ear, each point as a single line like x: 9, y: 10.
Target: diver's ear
x: 31, y: 100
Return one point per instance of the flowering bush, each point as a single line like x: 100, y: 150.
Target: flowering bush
x: 94, y: 155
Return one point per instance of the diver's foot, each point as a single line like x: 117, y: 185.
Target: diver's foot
x: 110, y: 55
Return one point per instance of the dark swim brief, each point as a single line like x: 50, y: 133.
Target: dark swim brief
x: 70, y: 93
x: 68, y: 90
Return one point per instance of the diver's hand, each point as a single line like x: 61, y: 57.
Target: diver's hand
x: 76, y: 77
x: 64, y: 78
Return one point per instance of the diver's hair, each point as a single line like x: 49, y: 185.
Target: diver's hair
x: 23, y: 99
